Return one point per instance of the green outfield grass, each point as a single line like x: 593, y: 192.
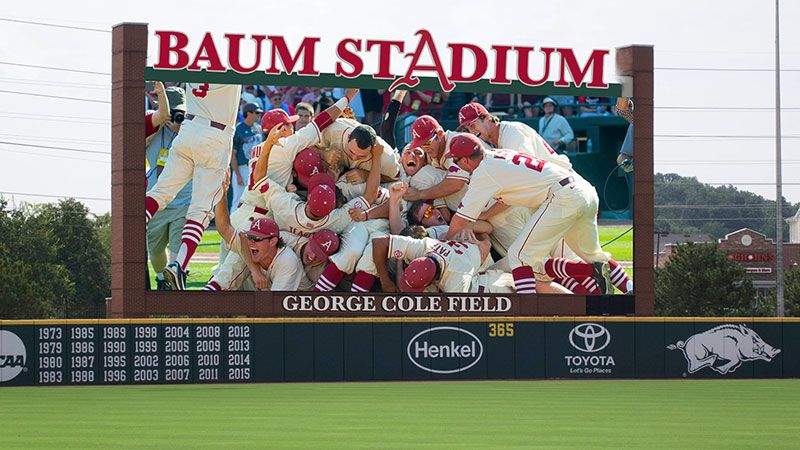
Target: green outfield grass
x: 622, y: 248
x: 509, y: 414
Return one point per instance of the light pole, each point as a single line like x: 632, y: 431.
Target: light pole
x: 778, y: 175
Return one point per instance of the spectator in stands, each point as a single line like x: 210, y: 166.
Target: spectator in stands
x: 528, y: 105
x: 244, y: 139
x: 306, y: 112
x: 276, y: 101
x: 553, y: 127
x: 154, y: 119
x: 566, y: 104
x: 165, y: 229
x: 311, y: 96
x: 373, y: 105
x: 500, y: 102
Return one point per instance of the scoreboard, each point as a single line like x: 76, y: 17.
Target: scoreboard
x: 142, y: 353
x: 164, y: 351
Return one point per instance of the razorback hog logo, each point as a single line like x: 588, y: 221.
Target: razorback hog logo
x: 724, y: 348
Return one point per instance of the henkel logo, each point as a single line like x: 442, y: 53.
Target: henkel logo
x: 589, y: 338
x: 724, y: 348
x: 13, y: 355
x: 444, y: 350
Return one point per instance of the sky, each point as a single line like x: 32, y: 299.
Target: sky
x: 731, y: 34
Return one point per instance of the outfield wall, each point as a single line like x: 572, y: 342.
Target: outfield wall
x: 267, y: 350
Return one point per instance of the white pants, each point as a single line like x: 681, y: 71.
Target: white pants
x: 569, y: 212
x: 199, y: 153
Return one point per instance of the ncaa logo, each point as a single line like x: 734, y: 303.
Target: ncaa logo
x: 13, y: 355
x: 589, y: 337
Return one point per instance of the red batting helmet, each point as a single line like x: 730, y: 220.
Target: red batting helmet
x: 464, y: 145
x: 419, y: 274
x: 321, y: 200
x: 423, y: 130
x: 264, y: 228
x: 470, y: 113
x: 307, y: 163
x: 274, y: 117
x: 324, y: 243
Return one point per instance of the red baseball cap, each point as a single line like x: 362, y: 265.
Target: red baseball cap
x: 264, y: 228
x: 463, y: 145
x: 324, y: 243
x: 470, y: 113
x: 320, y: 178
x: 274, y: 117
x: 418, y: 275
x: 321, y: 199
x: 307, y: 163
x: 423, y: 130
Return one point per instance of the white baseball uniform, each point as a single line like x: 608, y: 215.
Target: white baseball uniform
x: 335, y: 138
x: 459, y: 261
x: 282, y: 155
x: 520, y: 137
x: 297, y: 243
x: 202, y: 150
x: 565, y: 207
x: 285, y: 273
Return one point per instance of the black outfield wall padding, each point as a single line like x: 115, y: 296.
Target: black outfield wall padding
x: 156, y: 351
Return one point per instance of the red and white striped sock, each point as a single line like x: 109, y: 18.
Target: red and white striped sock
x: 591, y: 286
x: 192, y: 234
x: 524, y: 280
x: 619, y: 278
x: 573, y: 285
x: 564, y: 268
x: 329, y: 279
x: 363, y: 282
x: 150, y: 208
x: 212, y: 286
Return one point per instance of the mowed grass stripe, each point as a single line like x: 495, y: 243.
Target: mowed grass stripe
x: 512, y: 414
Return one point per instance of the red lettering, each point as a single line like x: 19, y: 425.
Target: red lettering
x: 595, y: 64
x: 457, y: 65
x: 207, y: 52
x: 166, y: 48
x: 522, y: 66
x: 234, y: 50
x: 425, y: 41
x: 347, y: 56
x: 517, y: 158
x: 501, y: 52
x: 384, y: 57
x: 281, y: 51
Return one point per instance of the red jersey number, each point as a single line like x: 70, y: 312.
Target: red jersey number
x: 201, y: 91
x: 519, y: 158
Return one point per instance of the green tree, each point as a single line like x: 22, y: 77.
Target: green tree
x: 699, y: 280
x: 33, y: 284
x: 83, y: 252
x: 791, y: 292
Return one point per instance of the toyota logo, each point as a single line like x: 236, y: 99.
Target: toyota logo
x: 589, y: 337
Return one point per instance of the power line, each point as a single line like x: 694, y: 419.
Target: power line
x: 54, y: 25
x: 55, y: 139
x: 52, y: 83
x: 11, y: 116
x: 63, y: 69
x: 55, y: 148
x: 54, y: 156
x: 55, y: 196
x: 55, y: 96
x: 38, y: 115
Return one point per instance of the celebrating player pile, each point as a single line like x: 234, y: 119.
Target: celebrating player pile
x: 334, y: 206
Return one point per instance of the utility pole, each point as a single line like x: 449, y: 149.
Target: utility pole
x: 778, y: 175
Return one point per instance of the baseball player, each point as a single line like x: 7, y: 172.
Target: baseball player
x: 517, y: 136
x: 565, y: 207
x: 319, y: 211
x: 272, y: 264
x: 356, y: 153
x: 428, y: 135
x: 314, y: 251
x: 448, y: 265
x: 294, y: 158
x: 200, y: 153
